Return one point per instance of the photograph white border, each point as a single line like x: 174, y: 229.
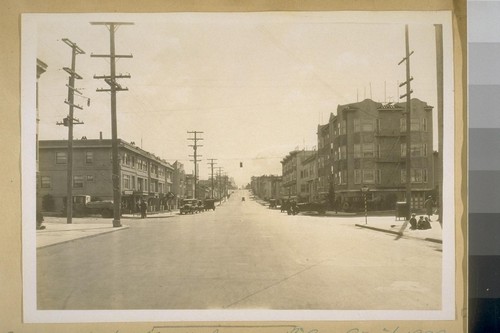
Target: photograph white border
x: 28, y: 130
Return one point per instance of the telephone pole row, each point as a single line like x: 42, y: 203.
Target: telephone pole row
x: 69, y: 121
x: 114, y: 87
x: 211, y: 163
x: 195, y: 156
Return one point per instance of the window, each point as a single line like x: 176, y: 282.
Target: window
x: 369, y: 176
x: 417, y: 175
x: 424, y: 125
x: 417, y: 150
x: 342, y: 127
x: 89, y: 157
x: 357, y: 125
x: 357, y: 150
x: 78, y: 181
x: 357, y: 176
x: 343, y: 152
x: 45, y: 182
x: 363, y: 125
x: 417, y: 124
x: 61, y: 157
x: 126, y: 182
x: 341, y: 177
x: 90, y: 178
x: 364, y: 150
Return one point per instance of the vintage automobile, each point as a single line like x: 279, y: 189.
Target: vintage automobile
x: 200, y: 207
x: 273, y: 203
x: 189, y: 206
x: 209, y: 204
x: 316, y: 206
x: 85, y: 205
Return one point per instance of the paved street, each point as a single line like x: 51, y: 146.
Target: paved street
x: 243, y: 255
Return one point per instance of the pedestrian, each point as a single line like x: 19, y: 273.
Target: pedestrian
x: 420, y: 223
x: 426, y: 224
x: 413, y: 222
x: 144, y: 209
x: 429, y: 206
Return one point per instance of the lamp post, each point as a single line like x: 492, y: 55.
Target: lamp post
x: 365, y: 190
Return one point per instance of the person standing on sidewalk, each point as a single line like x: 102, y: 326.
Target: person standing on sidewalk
x: 144, y: 209
x: 429, y: 206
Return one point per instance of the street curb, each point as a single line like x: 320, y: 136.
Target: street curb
x: 84, y: 237
x: 434, y: 240
x: 379, y: 229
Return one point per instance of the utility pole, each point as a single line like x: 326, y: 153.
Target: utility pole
x: 219, y: 183
x: 408, y: 121
x: 195, y: 156
x: 69, y: 121
x: 212, y: 172
x: 439, y: 72
x: 113, y: 88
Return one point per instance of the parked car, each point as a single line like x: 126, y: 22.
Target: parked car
x: 189, y: 206
x: 200, y: 207
x: 317, y: 206
x: 209, y: 204
x: 84, y: 205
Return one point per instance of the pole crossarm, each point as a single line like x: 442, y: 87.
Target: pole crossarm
x: 119, y: 76
x: 73, y: 105
x: 111, y: 56
x: 74, y: 89
x: 72, y: 73
x: 77, y: 49
x: 406, y: 82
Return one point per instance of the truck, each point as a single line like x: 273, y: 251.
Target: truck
x: 84, y: 205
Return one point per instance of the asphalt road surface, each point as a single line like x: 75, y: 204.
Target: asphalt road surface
x: 241, y: 256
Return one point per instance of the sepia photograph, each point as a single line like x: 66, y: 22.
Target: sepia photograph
x: 277, y: 165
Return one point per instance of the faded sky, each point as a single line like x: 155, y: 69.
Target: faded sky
x: 256, y: 84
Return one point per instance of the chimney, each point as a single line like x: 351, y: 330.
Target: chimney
x: 100, y: 135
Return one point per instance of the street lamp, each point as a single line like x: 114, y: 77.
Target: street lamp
x: 365, y: 190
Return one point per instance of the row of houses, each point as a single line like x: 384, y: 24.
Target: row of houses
x: 363, y: 148
x: 143, y: 175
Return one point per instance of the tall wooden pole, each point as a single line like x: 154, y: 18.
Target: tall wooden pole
x: 113, y: 88
x: 439, y: 72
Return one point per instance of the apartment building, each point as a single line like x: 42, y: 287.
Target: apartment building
x: 143, y: 175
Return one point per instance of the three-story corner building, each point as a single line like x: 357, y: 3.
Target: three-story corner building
x: 368, y: 149
x: 143, y: 175
x: 308, y: 179
x: 291, y: 181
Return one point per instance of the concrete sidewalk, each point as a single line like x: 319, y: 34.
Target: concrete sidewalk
x: 401, y: 228
x: 57, y: 231
x: 386, y: 223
